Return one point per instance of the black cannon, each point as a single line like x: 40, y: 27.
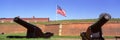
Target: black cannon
x: 32, y: 30
x: 94, y: 32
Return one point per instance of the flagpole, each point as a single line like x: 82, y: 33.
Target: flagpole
x: 56, y: 13
x: 56, y: 17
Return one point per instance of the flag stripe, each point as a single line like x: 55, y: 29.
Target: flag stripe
x: 61, y: 11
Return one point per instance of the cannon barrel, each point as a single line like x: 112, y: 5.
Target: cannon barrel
x: 103, y: 18
x: 23, y: 23
x: 94, y: 32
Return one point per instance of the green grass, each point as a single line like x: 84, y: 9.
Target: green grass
x: 109, y: 37
x: 67, y: 21
x: 3, y: 37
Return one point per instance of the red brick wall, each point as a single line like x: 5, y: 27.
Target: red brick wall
x: 10, y: 28
x: 54, y: 28
x: 111, y: 29
x: 16, y: 28
x: 73, y: 29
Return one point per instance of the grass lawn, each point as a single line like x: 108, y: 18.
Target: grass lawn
x: 3, y: 37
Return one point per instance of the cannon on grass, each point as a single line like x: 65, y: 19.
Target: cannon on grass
x: 32, y: 30
x: 94, y: 32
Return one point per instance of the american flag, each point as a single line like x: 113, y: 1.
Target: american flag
x: 61, y: 11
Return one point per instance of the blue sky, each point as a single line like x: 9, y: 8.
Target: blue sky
x: 75, y: 9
